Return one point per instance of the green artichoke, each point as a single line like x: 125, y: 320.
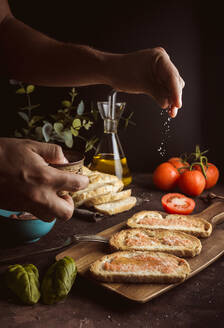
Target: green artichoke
x: 58, y: 280
x: 23, y: 280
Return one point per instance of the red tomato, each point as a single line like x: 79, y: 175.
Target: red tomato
x: 165, y: 176
x: 177, y: 204
x: 177, y: 162
x: 212, y: 174
x: 192, y: 182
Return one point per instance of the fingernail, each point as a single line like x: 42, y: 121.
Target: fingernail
x: 65, y: 160
x: 180, y: 102
x: 173, y: 112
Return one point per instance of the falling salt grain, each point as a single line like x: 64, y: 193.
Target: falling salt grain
x: 162, y: 149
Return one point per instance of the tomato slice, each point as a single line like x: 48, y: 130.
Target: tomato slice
x: 175, y: 203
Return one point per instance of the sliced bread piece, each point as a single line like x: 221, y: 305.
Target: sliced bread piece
x: 154, y: 220
x: 86, y: 171
x: 140, y: 267
x: 109, y: 197
x: 101, y: 179
x: 117, y: 206
x: 101, y: 190
x: 174, y: 242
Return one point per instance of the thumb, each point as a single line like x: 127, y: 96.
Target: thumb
x: 51, y: 153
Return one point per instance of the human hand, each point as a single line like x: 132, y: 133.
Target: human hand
x: 150, y: 72
x: 28, y: 183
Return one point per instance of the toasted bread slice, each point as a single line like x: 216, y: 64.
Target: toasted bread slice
x: 88, y: 193
x: 154, y: 220
x: 174, y: 242
x: 140, y: 267
x: 109, y: 197
x: 117, y: 206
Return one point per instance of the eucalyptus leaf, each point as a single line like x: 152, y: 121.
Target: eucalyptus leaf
x: 74, y: 132
x: 58, y: 280
x: 80, y: 108
x: 76, y: 124
x: 66, y: 103
x: 46, y: 131
x: 20, y: 91
x: 88, y: 125
x: 67, y: 135
x: 30, y: 88
x: 34, y: 120
x: 23, y: 280
x: 58, y: 127
x: 24, y: 116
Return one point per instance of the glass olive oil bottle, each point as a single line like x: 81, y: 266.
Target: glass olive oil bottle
x: 109, y: 156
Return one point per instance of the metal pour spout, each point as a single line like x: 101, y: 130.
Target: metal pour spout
x: 112, y: 103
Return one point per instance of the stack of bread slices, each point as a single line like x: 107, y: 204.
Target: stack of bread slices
x: 104, y: 193
x: 151, y: 250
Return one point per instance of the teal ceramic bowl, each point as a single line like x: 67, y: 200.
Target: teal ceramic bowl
x: 15, y: 231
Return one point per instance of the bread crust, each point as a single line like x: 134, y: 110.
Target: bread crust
x: 96, y: 180
x: 205, y: 231
x: 99, y: 273
x: 109, y: 197
x: 117, y: 206
x: 117, y: 242
x: 86, y: 171
x: 90, y: 192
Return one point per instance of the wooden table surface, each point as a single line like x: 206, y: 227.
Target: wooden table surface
x: 199, y: 302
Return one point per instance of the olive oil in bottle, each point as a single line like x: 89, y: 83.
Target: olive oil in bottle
x: 106, y: 163
x: 109, y: 156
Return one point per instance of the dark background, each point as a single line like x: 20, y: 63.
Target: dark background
x: 192, y: 34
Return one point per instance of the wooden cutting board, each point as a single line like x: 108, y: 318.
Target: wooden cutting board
x: 85, y: 253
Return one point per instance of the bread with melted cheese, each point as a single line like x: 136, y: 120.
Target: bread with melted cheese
x: 140, y: 267
x: 173, y: 242
x: 174, y: 222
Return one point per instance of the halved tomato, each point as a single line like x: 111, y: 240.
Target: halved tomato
x: 175, y: 203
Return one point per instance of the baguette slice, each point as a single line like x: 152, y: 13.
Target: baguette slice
x: 174, y: 242
x: 175, y: 222
x: 109, y: 197
x: 117, y: 206
x: 140, y: 267
x: 86, y: 171
x: 97, y: 180
x: 101, y: 190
